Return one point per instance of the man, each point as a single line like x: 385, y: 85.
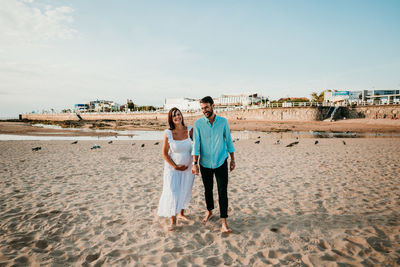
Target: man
x: 213, y: 143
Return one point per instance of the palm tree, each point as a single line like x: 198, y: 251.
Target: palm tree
x: 315, y: 97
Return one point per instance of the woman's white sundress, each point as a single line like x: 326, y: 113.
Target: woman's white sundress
x: 177, y: 185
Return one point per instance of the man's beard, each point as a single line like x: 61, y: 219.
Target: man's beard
x: 209, y: 114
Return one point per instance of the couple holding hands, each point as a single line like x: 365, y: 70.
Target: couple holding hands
x: 189, y: 151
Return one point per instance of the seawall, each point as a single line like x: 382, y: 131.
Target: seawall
x: 267, y: 114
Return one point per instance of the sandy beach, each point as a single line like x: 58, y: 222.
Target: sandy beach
x: 328, y: 204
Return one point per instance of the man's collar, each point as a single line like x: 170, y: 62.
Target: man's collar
x: 215, y: 119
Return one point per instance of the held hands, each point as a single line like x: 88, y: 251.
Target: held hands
x: 181, y: 167
x: 195, y: 169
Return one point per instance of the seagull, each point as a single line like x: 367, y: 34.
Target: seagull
x: 75, y: 142
x: 344, y: 143
x: 316, y: 142
x: 257, y: 142
x: 36, y: 148
x: 292, y: 144
x: 142, y: 145
x: 156, y: 143
x: 110, y: 142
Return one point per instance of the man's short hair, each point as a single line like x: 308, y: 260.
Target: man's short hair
x: 207, y: 99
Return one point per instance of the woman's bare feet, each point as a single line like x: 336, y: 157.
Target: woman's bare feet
x: 172, y: 226
x: 182, y: 216
x: 225, y: 228
x: 208, y: 216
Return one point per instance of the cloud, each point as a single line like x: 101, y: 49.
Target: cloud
x: 28, y: 22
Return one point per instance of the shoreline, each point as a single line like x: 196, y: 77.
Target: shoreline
x: 106, y: 127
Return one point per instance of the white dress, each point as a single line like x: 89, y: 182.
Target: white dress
x: 177, y: 185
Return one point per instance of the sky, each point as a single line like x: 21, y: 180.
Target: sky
x: 57, y: 53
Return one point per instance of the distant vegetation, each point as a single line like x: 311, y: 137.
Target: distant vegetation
x: 315, y: 97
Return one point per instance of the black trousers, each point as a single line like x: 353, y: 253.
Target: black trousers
x: 221, y: 175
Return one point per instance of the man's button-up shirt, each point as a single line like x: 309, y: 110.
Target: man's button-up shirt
x: 212, y: 142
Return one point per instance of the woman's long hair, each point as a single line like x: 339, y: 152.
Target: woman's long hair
x: 171, y: 114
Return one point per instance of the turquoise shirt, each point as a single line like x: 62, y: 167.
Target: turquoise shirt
x: 212, y: 142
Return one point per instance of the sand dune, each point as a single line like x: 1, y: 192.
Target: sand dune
x: 313, y: 205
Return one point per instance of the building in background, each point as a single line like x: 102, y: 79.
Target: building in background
x: 363, y: 97
x: 183, y: 104
x: 342, y: 97
x: 381, y: 96
x: 103, y: 106
x: 225, y: 101
x: 97, y: 106
x: 81, y: 108
x: 238, y: 100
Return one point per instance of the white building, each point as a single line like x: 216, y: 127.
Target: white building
x: 364, y: 96
x: 224, y: 101
x: 333, y: 96
x: 381, y: 96
x: 103, y: 106
x: 237, y: 100
x: 183, y: 104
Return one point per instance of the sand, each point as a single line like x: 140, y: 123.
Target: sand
x: 328, y: 204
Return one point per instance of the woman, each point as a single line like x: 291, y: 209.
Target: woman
x: 178, y: 178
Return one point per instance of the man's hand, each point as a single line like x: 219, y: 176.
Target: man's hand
x: 181, y: 167
x: 232, y: 165
x: 195, y: 169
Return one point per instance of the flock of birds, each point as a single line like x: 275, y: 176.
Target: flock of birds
x: 93, y: 147
x: 278, y: 142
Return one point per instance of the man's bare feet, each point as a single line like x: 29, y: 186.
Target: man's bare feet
x: 225, y: 228
x: 208, y: 216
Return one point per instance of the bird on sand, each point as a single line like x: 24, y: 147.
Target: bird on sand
x: 95, y: 147
x: 142, y: 145
x: 75, y: 142
x: 110, y: 142
x: 36, y: 148
x: 133, y: 143
x: 278, y: 142
x: 257, y: 142
x: 156, y: 143
x: 316, y: 142
x: 344, y: 143
x: 292, y: 144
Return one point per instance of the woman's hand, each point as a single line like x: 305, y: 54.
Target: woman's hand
x: 180, y: 167
x: 195, y: 169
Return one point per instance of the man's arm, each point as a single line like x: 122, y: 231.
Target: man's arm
x: 196, y: 150
x: 232, y: 166
x: 229, y: 146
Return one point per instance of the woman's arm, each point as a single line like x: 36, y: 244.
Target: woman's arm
x: 167, y: 158
x: 165, y: 150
